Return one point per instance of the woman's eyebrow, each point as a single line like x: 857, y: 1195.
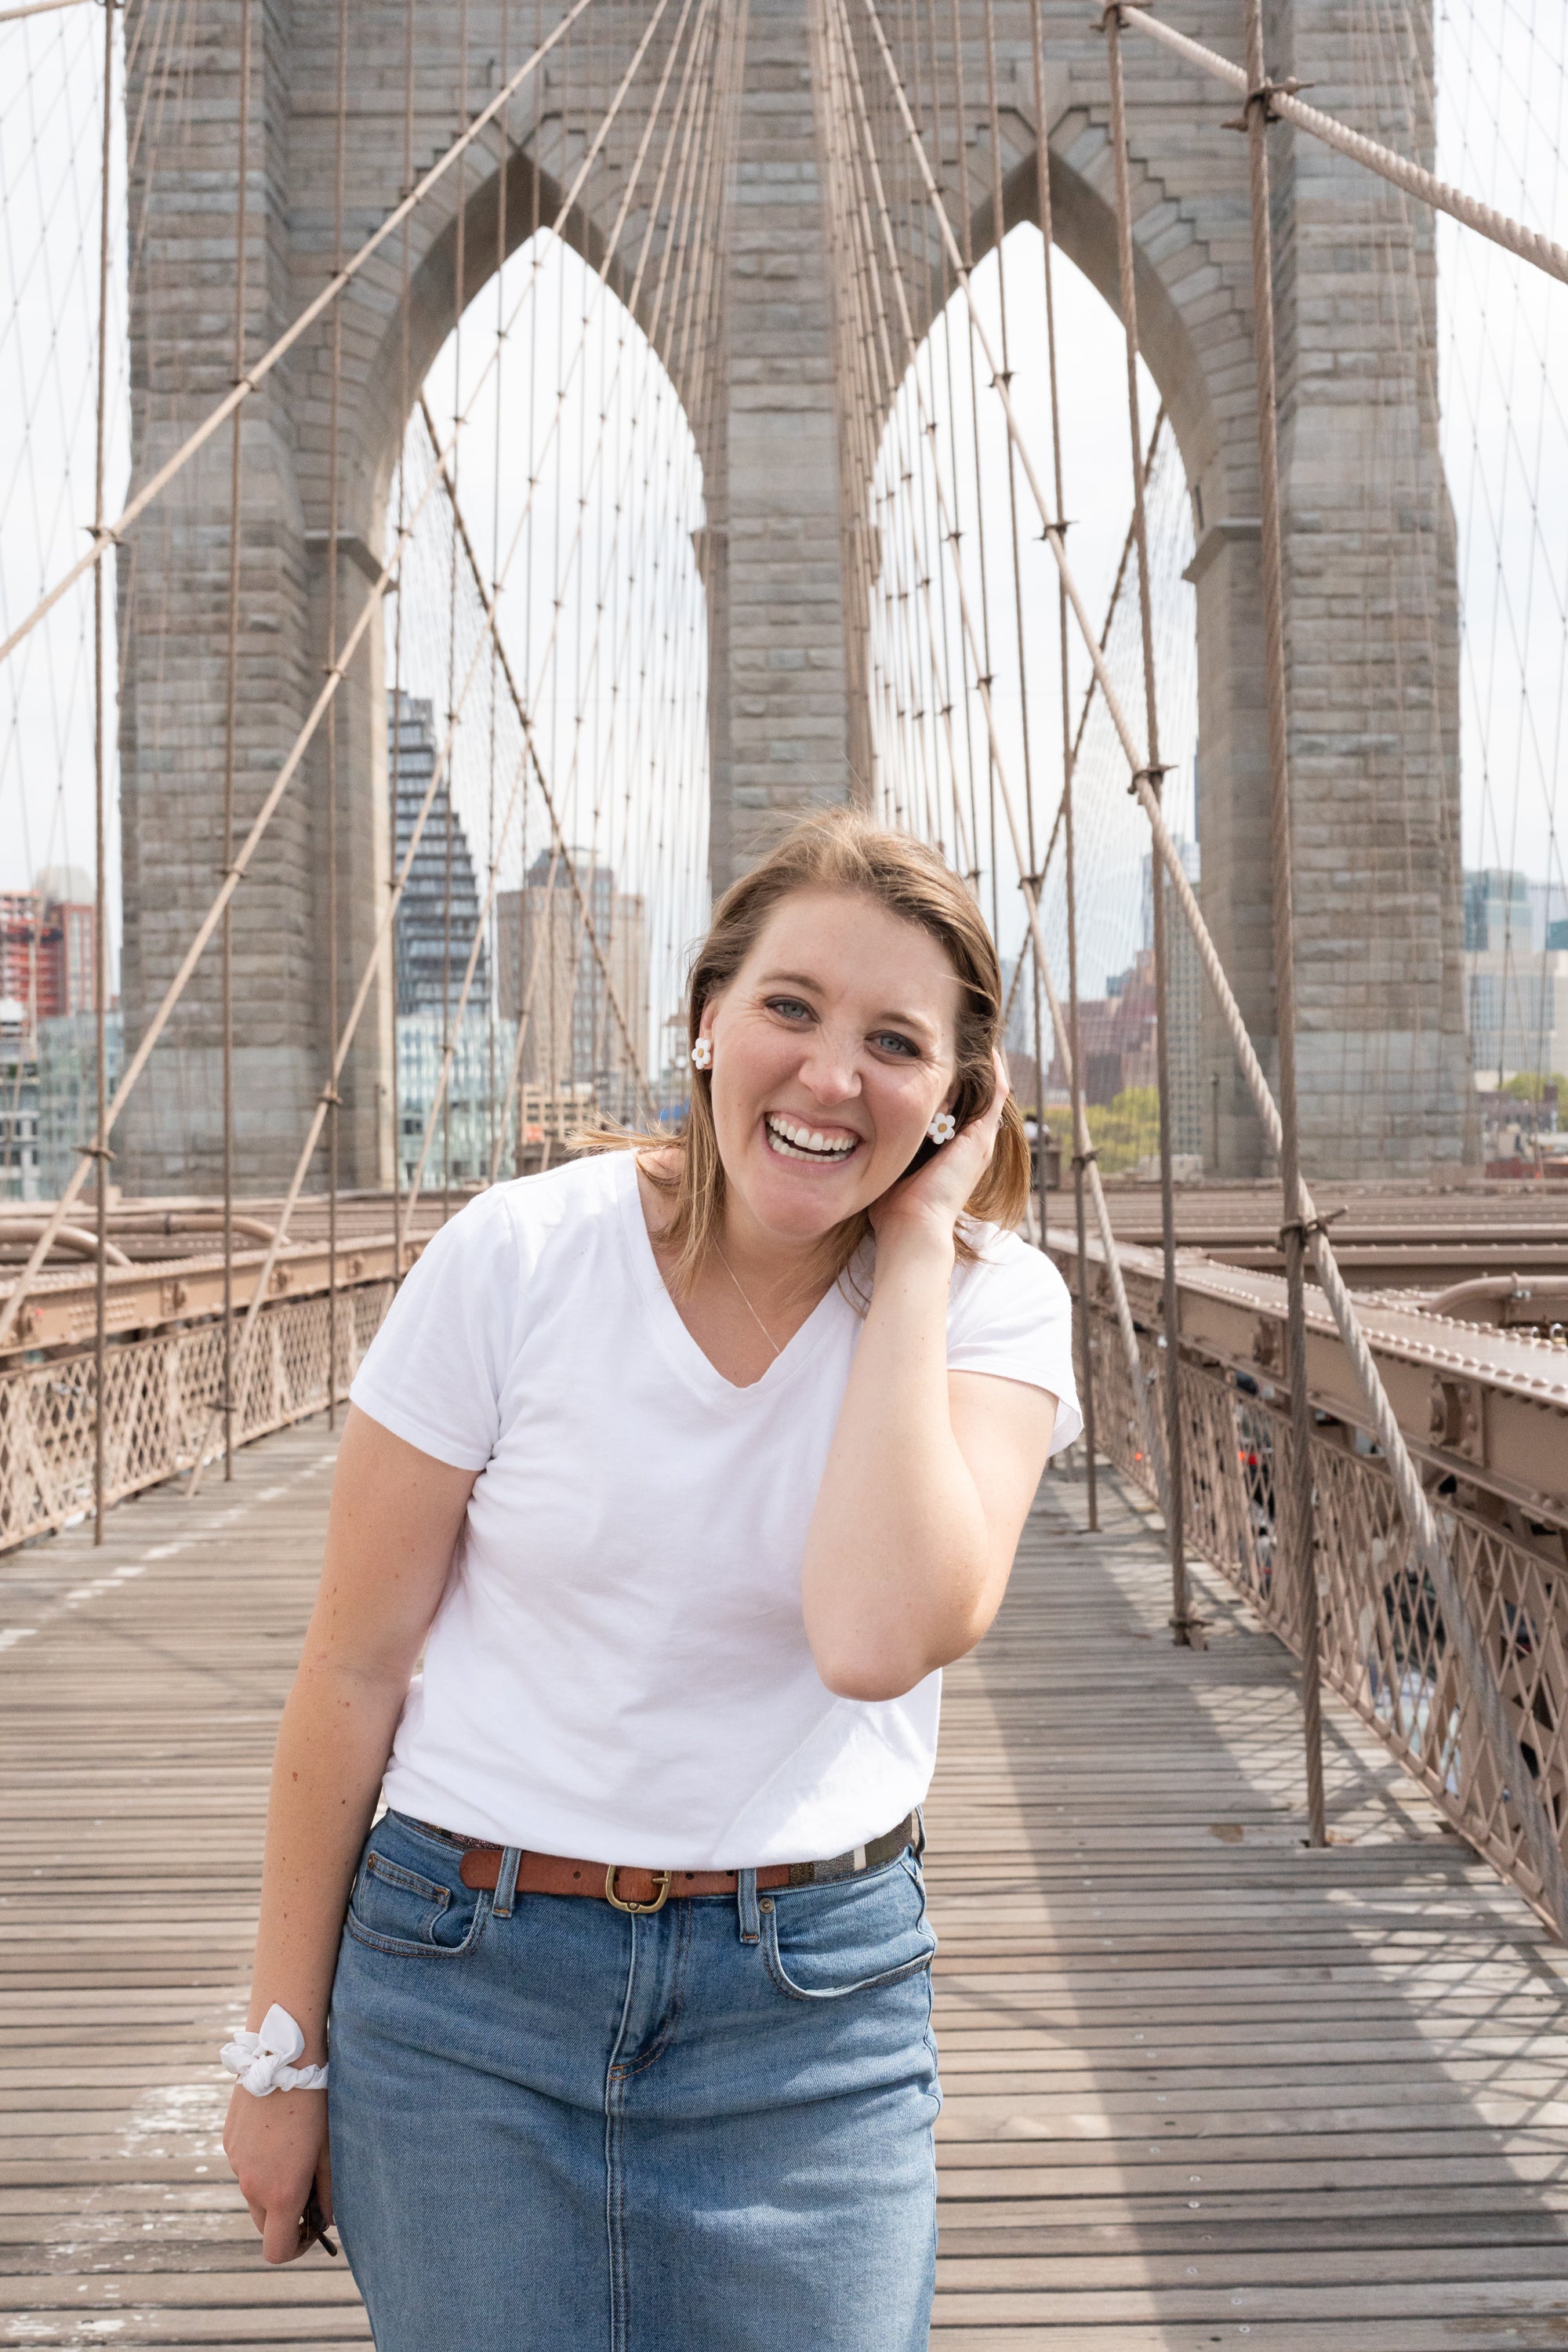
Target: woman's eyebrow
x: 791, y: 980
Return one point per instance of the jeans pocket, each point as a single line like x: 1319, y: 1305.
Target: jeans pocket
x: 821, y: 1943
x: 393, y: 1908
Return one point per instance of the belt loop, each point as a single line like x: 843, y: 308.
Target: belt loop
x: 920, y: 1840
x: 506, y: 1885
x: 746, y: 1903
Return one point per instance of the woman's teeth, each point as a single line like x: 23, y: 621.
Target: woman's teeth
x: 792, y: 1141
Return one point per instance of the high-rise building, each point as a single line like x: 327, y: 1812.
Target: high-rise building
x: 1515, y: 976
x: 1498, y: 912
x: 439, y: 913
x: 577, y: 986
x: 1184, y: 986
x: 19, y: 1178
x: 47, y: 961
x: 67, y: 1089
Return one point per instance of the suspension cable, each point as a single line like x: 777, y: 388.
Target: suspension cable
x: 1528, y: 243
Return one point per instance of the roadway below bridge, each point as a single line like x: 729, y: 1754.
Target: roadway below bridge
x: 1202, y: 2086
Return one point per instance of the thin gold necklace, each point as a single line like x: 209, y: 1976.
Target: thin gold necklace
x: 747, y: 1303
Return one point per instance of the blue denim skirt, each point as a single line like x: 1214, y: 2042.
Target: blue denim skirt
x: 707, y: 2130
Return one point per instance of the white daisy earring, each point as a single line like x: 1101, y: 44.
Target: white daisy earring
x: 703, y: 1053
x: 943, y: 1128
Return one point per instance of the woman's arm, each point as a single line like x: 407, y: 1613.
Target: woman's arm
x: 931, y: 1474
x: 395, y: 1515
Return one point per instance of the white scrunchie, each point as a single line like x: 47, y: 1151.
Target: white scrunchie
x: 264, y: 2062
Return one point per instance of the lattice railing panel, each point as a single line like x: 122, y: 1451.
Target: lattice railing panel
x: 1383, y: 1645
x: 160, y: 1397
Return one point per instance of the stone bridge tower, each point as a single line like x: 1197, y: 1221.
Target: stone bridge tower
x: 1373, y: 709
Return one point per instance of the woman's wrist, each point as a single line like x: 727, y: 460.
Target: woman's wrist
x: 271, y: 2058
x: 914, y: 1245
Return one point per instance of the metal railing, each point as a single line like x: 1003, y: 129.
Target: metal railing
x: 163, y: 1399
x: 1384, y: 1646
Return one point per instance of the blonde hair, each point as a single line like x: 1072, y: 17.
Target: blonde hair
x: 841, y: 851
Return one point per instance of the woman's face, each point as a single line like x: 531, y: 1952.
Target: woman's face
x: 834, y: 1048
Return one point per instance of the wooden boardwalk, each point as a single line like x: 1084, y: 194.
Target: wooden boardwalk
x: 1203, y: 2087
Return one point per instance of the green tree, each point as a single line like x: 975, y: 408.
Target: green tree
x: 1530, y: 1085
x: 1126, y: 1130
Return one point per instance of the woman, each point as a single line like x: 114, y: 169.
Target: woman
x: 688, y: 1466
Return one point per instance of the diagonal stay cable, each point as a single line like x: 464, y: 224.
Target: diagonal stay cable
x: 1093, y: 686
x: 36, y: 8
x: 682, y: 214
x: 1528, y: 243
x: 106, y: 534
x: 442, y: 761
x: 439, y: 766
x: 10, y: 1307
x: 529, y: 758
x: 488, y: 599
x: 1485, y: 1692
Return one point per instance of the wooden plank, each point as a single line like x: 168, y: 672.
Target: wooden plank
x: 1200, y: 2082
x: 138, y: 1697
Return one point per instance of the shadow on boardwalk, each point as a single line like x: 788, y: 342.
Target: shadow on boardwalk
x: 1205, y: 2086
x: 1202, y: 2087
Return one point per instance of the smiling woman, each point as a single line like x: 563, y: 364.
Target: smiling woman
x: 902, y: 951
x: 689, y: 1465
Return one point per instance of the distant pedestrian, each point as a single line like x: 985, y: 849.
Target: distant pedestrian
x: 687, y: 1467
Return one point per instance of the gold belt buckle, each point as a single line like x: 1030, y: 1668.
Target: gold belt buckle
x: 638, y: 1910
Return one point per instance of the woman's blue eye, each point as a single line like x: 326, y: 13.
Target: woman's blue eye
x: 890, y: 1040
x: 790, y: 1006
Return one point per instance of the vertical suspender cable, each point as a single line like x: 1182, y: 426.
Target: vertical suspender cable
x: 333, y: 565
x: 1180, y: 1617
x: 242, y: 173
x: 1299, y: 1548
x: 998, y: 225
x: 524, y: 999
x: 99, y: 818
x: 1069, y: 759
x: 967, y: 243
x: 460, y: 271
x: 395, y: 782
x: 493, y: 967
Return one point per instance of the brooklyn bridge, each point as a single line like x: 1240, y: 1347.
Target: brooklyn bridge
x: 475, y: 471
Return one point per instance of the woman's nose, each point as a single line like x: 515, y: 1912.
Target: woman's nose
x: 830, y: 1067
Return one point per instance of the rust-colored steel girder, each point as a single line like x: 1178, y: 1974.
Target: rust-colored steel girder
x: 1488, y: 1406
x: 59, y: 1310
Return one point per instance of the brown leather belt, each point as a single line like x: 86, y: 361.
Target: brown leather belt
x: 632, y: 1888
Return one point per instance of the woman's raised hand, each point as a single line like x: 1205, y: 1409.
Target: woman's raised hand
x: 930, y: 1201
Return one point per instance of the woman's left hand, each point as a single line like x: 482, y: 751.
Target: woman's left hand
x: 929, y: 1204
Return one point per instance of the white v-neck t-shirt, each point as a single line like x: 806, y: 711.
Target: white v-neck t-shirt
x: 618, y: 1668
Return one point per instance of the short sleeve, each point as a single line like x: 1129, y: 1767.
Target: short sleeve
x: 1011, y: 1315
x: 433, y: 1372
